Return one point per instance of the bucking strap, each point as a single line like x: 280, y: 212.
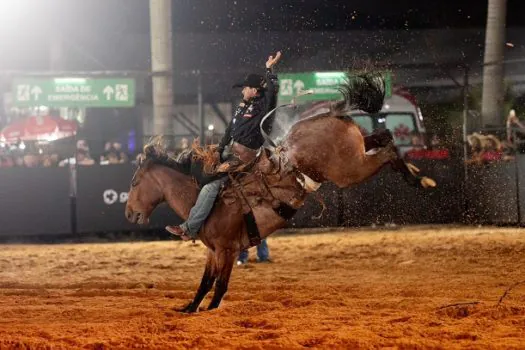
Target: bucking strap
x: 253, y: 231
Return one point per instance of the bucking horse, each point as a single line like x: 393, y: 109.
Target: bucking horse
x: 259, y: 199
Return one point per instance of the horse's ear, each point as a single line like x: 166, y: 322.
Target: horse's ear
x: 141, y: 158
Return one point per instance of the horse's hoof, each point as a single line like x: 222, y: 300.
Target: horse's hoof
x: 427, y: 182
x: 188, y: 309
x: 413, y: 169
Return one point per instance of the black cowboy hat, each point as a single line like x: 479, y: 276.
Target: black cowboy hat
x: 252, y: 80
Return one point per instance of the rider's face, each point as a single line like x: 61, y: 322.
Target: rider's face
x: 248, y: 92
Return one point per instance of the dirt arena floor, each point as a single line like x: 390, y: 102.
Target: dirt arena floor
x: 354, y: 289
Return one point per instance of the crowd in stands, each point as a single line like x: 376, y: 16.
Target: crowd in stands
x: 488, y: 147
x: 419, y: 149
x: 24, y: 155
x: 113, y: 154
x: 482, y: 148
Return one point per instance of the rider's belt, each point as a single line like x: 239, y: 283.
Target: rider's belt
x: 243, y: 153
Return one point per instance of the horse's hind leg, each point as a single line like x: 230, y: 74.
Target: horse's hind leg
x: 225, y: 260
x: 361, y: 168
x: 378, y: 139
x: 208, y: 278
x: 384, y: 138
x: 410, y: 174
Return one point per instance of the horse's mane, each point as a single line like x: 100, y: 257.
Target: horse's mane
x: 364, y: 91
x: 206, y: 155
x: 156, y: 152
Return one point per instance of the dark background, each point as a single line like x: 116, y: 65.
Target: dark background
x: 28, y: 25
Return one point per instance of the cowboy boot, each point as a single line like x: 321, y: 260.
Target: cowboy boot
x: 178, y: 231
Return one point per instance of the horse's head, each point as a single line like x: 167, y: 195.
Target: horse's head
x: 148, y: 184
x: 145, y: 193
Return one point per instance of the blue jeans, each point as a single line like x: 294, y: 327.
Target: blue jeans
x: 202, y: 207
x: 262, y: 252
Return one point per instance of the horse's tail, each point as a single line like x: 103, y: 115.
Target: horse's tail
x: 365, y: 91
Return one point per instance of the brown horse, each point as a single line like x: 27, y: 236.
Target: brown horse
x: 270, y: 190
x: 324, y: 148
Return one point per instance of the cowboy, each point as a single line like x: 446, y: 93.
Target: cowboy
x: 242, y: 140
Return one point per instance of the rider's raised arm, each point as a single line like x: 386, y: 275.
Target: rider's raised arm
x: 272, y: 89
x: 272, y: 83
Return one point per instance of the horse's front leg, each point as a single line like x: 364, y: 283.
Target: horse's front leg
x: 225, y: 259
x: 208, y: 278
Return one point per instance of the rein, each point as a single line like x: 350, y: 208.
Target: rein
x: 291, y: 105
x: 265, y: 135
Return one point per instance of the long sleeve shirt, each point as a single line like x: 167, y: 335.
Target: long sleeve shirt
x: 244, y: 128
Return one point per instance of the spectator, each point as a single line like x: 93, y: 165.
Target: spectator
x: 417, y: 149
x: 263, y: 254
x: 184, y: 144
x: 113, y: 154
x: 31, y: 160
x: 435, y: 142
x: 437, y: 149
x: 416, y: 139
x: 104, y: 157
x: 122, y: 156
x: 82, y: 144
x: 49, y: 160
x: 113, y: 157
x: 83, y: 158
x: 515, y: 133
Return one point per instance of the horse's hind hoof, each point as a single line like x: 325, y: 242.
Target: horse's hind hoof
x: 413, y: 169
x: 427, y: 182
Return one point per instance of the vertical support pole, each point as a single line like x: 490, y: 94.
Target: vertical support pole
x: 465, y: 132
x: 161, y: 66
x: 202, y: 127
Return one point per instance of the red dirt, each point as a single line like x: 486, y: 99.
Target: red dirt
x: 356, y: 289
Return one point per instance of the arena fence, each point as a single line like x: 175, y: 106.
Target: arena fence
x: 39, y: 201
